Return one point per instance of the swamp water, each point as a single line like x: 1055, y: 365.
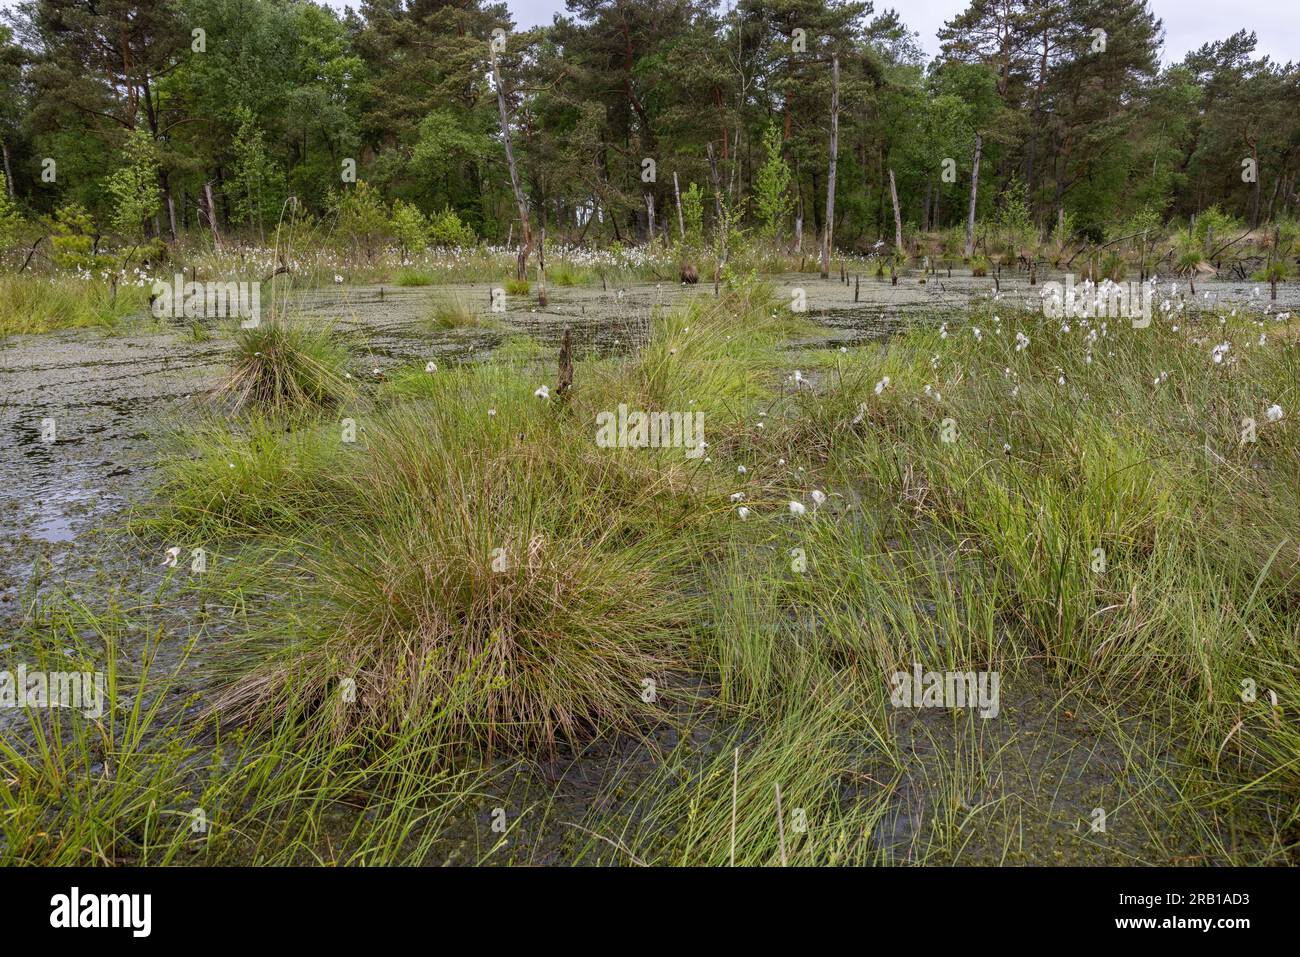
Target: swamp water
x: 104, y: 391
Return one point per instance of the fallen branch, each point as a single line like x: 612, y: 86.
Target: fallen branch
x: 30, y: 253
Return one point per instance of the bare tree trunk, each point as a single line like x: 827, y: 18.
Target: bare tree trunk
x: 717, y: 182
x: 212, y: 215
x: 525, y: 232
x: 898, y: 221
x: 171, y: 213
x: 1037, y: 123
x: 650, y: 217
x: 9, y: 173
x: 1272, y: 199
x: 541, y: 269
x: 735, y: 167
x: 974, y: 190
x: 1254, y: 202
x: 720, y: 239
x: 828, y: 234
x: 798, y: 224
x: 164, y: 187
x: 681, y: 221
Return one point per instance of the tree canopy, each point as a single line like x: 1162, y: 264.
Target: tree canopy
x: 260, y: 100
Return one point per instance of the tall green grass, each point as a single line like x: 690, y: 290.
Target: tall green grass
x: 34, y: 303
x: 475, y: 576
x: 284, y: 367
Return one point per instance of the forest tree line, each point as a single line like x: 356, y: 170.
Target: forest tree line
x: 195, y: 115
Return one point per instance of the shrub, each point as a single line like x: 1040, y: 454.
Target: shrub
x: 446, y: 229
x: 409, y: 227
x: 72, y: 237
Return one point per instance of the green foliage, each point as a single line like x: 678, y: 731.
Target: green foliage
x: 257, y: 185
x: 1112, y: 266
x: 72, y: 238
x: 31, y: 303
x: 772, y: 197
x: 1144, y: 220
x: 1189, y: 251
x: 414, y: 277
x: 363, y: 221
x: 134, y: 185
x: 693, y: 215
x: 1214, y: 225
x: 446, y: 229
x: 1015, y: 219
x: 11, y: 218
x: 409, y: 227
x: 458, y: 313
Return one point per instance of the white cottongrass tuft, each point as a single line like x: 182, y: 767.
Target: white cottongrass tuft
x: 796, y: 508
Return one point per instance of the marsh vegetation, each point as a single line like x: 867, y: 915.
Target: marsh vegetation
x: 363, y: 582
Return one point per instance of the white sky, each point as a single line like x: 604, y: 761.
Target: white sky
x: 1187, y: 23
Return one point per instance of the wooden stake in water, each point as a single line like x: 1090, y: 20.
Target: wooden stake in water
x: 780, y: 824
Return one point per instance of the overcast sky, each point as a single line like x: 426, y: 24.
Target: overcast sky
x: 1187, y: 23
